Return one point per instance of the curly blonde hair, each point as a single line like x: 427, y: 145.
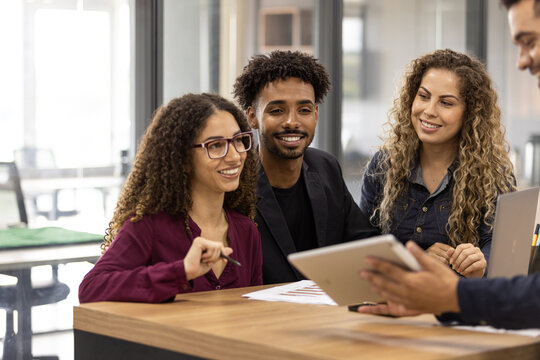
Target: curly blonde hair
x: 160, y: 179
x: 483, y: 169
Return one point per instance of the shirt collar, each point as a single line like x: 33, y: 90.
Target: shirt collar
x: 416, y: 176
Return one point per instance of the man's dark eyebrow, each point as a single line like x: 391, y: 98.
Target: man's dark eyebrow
x: 276, y: 102
x: 281, y: 102
x: 522, y: 34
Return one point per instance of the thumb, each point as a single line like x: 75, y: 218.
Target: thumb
x: 426, y: 261
x: 227, y: 251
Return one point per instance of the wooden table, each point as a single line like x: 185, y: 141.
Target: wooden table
x: 221, y: 324
x: 20, y: 262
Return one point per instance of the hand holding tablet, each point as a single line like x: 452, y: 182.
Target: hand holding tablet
x: 336, y: 269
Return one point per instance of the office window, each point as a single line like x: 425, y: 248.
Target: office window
x: 286, y: 29
x: 191, y: 47
x: 287, y: 25
x: 66, y: 99
x: 380, y: 37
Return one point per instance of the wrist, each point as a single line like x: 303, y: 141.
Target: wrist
x: 190, y: 272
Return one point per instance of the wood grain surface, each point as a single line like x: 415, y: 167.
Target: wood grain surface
x: 223, y: 325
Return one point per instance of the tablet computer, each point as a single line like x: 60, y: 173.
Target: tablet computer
x: 336, y: 268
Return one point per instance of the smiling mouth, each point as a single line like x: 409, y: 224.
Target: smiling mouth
x: 230, y: 171
x: 429, y: 125
x: 290, y: 138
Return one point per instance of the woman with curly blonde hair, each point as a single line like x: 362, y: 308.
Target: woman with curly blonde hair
x: 187, y: 203
x: 436, y: 178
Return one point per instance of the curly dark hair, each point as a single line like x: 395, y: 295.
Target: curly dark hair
x: 509, y: 3
x: 160, y: 179
x: 484, y: 169
x: 264, y: 69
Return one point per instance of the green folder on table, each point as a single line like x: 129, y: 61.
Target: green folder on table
x: 24, y: 237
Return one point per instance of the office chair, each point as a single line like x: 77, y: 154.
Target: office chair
x: 34, y: 159
x: 13, y: 211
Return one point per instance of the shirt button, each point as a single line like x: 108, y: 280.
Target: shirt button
x: 185, y: 287
x: 218, y: 287
x: 419, y: 229
x: 424, y: 209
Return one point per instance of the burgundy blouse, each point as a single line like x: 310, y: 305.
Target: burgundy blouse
x: 145, y: 262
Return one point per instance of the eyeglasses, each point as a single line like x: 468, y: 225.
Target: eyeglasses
x: 218, y: 148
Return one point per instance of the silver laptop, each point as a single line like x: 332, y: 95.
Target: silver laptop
x: 515, y: 221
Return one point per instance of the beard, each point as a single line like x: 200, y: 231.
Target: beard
x: 268, y: 141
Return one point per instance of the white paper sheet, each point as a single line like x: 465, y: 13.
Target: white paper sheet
x: 301, y: 292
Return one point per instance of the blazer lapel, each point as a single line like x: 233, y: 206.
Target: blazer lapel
x: 317, y: 197
x: 269, y: 210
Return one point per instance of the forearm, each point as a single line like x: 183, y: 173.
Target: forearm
x: 509, y: 303
x: 153, y: 284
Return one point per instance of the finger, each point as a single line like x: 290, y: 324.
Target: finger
x: 440, y: 250
x: 477, y: 269
x: 386, y: 268
x: 465, y: 253
x: 212, y: 255
x: 466, y: 262
x: 227, y: 251
x: 439, y: 258
x: 373, y: 309
x: 459, y: 250
x: 212, y: 251
x: 443, y: 247
x: 385, y: 286
x: 424, y: 259
x: 434, y: 249
x: 392, y: 297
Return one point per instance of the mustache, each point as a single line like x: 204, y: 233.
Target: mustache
x: 290, y: 132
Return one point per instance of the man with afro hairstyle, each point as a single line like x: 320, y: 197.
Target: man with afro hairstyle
x: 303, y: 202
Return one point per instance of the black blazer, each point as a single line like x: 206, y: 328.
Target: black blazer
x: 337, y: 217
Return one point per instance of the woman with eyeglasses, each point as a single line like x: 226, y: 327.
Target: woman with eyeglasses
x: 188, y: 204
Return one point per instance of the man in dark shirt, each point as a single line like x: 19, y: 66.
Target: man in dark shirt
x: 303, y: 202
x: 509, y: 303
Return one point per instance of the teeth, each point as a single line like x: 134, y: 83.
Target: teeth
x: 290, y: 138
x: 229, y: 171
x: 428, y: 125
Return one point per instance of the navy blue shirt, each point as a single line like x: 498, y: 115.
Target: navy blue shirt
x: 508, y: 303
x: 418, y: 215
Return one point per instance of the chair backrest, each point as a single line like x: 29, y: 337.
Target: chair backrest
x: 12, y: 209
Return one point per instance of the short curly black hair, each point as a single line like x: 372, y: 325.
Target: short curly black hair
x: 264, y: 69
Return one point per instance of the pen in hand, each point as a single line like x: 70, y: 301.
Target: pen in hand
x: 230, y: 259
